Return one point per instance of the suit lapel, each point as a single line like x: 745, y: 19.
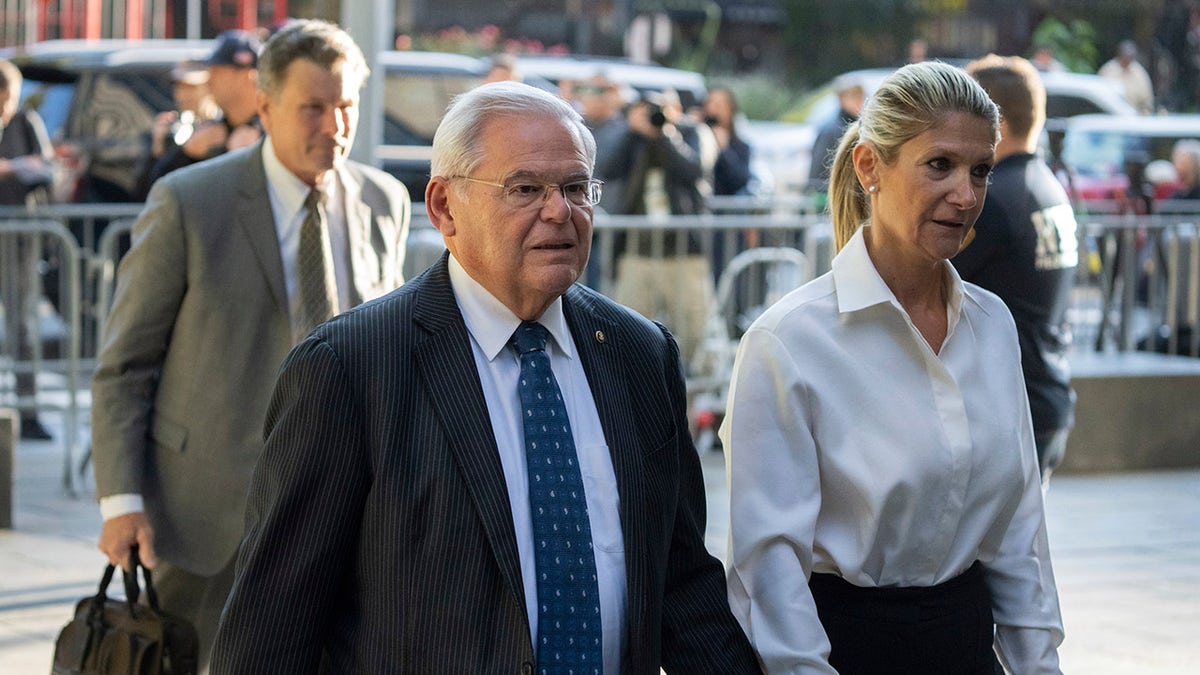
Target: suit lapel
x: 447, y: 368
x: 599, y: 342
x: 358, y: 232
x: 254, y: 217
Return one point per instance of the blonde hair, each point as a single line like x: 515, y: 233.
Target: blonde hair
x: 908, y: 103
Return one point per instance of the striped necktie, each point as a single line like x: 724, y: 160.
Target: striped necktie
x: 314, y: 264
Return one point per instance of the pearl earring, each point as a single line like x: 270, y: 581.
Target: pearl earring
x: 872, y: 189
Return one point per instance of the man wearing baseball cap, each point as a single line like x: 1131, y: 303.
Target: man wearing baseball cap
x: 232, y: 83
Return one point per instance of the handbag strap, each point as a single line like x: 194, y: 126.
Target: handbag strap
x: 96, y: 606
x: 101, y: 595
x: 132, y: 591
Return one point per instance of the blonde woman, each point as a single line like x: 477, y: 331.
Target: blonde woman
x: 886, y: 505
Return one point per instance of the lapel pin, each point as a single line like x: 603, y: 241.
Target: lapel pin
x: 600, y: 336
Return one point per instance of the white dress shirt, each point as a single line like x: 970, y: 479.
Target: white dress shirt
x: 854, y: 449
x: 491, y: 324
x: 287, y: 194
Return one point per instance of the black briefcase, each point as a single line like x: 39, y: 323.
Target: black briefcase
x: 122, y: 636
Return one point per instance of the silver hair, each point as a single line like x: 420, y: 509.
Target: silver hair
x: 457, y: 146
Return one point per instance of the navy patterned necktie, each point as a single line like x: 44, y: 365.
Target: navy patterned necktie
x: 569, y: 636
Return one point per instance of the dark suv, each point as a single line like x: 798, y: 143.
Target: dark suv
x: 99, y: 100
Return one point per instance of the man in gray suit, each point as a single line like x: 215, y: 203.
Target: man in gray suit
x: 406, y: 515
x: 228, y: 258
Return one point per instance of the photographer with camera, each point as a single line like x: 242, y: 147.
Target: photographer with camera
x: 662, y: 165
x: 232, y: 83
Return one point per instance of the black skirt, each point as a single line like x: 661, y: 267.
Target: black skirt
x: 947, y: 628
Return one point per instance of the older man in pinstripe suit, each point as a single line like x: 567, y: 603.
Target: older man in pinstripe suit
x: 394, y: 522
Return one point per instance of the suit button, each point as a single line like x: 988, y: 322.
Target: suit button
x: 527, y: 668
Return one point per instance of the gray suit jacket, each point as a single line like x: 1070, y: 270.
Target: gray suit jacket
x: 198, y: 328
x: 379, y: 534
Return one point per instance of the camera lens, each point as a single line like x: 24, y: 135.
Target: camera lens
x: 657, y: 118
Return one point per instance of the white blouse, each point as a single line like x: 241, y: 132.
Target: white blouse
x: 854, y: 449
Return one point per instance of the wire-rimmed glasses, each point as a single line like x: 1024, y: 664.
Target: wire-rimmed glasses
x: 525, y: 194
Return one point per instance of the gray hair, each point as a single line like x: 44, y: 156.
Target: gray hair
x: 321, y: 42
x: 1189, y: 148
x: 457, y: 147
x: 908, y: 103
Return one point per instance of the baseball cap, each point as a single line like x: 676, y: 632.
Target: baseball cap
x: 237, y: 48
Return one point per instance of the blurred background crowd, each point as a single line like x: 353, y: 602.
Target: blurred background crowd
x: 700, y: 107
x: 783, y: 65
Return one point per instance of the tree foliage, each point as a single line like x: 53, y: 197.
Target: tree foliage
x: 827, y: 37
x: 1073, y: 42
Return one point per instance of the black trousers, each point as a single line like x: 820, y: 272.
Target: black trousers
x: 943, y: 629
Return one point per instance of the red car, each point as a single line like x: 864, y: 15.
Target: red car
x: 1101, y: 152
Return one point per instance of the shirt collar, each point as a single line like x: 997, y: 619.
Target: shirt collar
x: 290, y: 190
x: 859, y: 285
x: 492, y: 324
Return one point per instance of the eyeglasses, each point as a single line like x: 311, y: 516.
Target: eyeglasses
x: 523, y: 195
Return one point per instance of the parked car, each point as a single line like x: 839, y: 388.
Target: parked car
x: 1101, y: 151
x: 780, y: 151
x: 1071, y: 94
x: 1067, y: 95
x: 99, y: 99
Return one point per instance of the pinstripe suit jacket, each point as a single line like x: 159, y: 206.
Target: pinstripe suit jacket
x: 379, y: 530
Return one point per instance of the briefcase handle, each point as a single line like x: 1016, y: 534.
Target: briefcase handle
x: 132, y: 590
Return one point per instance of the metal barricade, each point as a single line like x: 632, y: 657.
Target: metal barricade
x: 87, y: 224
x: 668, y: 268
x: 103, y: 272
x: 26, y: 237
x: 720, y: 236
x: 1138, y: 284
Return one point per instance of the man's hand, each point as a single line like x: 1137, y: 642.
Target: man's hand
x: 638, y: 118
x: 119, y: 534
x: 162, y: 127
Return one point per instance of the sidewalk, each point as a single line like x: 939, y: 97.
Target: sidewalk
x: 1126, y: 551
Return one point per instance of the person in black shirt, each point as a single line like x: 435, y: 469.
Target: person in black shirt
x: 1025, y: 249
x: 232, y: 82
x: 731, y: 173
x: 25, y: 177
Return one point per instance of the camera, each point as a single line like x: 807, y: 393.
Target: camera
x: 657, y: 118
x: 181, y: 130
x: 654, y: 104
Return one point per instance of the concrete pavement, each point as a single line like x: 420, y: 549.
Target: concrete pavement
x: 1126, y: 550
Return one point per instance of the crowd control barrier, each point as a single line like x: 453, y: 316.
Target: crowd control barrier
x: 1138, y: 285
